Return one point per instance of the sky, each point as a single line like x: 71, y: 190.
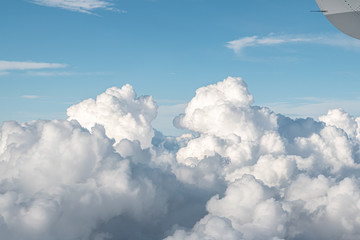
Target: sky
x: 54, y: 54
x: 94, y: 90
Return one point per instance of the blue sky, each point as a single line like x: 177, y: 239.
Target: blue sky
x: 56, y: 53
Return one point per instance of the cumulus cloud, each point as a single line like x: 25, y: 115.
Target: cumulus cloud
x: 244, y: 172
x: 262, y: 156
x: 240, y: 44
x: 84, y: 6
x: 59, y: 181
x: 123, y: 115
x: 13, y: 65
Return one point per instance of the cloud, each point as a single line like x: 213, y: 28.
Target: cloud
x: 342, y: 41
x: 63, y: 73
x: 123, y: 115
x: 68, y: 190
x: 260, y: 155
x: 84, y: 6
x: 12, y: 65
x: 244, y: 173
x: 30, y: 96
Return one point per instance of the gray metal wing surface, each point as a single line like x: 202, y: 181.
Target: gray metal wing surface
x: 343, y: 14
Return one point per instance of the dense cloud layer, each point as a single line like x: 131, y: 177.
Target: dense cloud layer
x: 245, y: 173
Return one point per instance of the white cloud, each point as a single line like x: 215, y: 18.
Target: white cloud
x: 247, y: 173
x: 13, y: 65
x: 50, y: 74
x: 63, y: 73
x: 66, y: 181
x: 256, y: 41
x: 123, y: 115
x: 261, y: 155
x: 84, y: 6
x: 30, y: 96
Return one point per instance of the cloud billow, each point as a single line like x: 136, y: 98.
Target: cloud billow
x: 123, y: 115
x: 247, y: 173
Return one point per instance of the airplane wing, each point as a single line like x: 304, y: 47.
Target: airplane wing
x: 343, y: 14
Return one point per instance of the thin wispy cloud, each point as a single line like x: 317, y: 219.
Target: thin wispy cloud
x: 12, y: 65
x: 63, y: 73
x: 240, y: 44
x: 30, y: 96
x: 84, y: 6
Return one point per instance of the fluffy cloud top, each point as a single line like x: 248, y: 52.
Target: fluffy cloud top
x: 225, y: 109
x: 123, y: 115
x: 247, y: 173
